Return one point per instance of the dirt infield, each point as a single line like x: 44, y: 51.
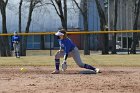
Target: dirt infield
x: 39, y: 80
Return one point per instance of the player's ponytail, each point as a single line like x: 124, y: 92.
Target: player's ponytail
x: 64, y: 32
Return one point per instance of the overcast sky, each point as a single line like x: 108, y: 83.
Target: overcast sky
x: 44, y: 18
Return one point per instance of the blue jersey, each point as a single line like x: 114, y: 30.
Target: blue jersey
x: 15, y: 38
x: 67, y: 45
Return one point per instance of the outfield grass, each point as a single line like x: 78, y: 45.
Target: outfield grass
x: 42, y: 58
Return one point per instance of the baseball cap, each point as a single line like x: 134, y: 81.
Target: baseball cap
x: 15, y: 33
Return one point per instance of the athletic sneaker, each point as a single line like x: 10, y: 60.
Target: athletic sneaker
x: 55, y: 72
x: 97, y: 70
x: 18, y: 57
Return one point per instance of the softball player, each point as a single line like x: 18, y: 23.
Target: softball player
x: 16, y: 44
x: 68, y: 49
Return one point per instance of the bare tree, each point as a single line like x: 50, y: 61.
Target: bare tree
x: 115, y: 26
x: 5, y: 47
x: 20, y: 16
x: 61, y: 12
x: 20, y: 23
x: 84, y: 12
x: 33, y: 4
x: 135, y: 26
x: 103, y: 24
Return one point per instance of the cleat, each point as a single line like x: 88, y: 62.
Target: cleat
x: 56, y: 72
x: 97, y: 70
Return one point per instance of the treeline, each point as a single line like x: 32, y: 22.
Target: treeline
x: 61, y: 9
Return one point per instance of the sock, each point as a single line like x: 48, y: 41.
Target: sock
x: 16, y: 54
x: 89, y: 67
x: 57, y: 63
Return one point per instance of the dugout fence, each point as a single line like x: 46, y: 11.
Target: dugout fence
x: 47, y: 40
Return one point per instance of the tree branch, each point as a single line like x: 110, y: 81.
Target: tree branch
x: 79, y: 7
x: 6, y: 2
x: 2, y: 3
x: 56, y: 9
x: 43, y: 4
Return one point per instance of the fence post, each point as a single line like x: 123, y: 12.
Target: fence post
x: 128, y: 45
x: 50, y: 46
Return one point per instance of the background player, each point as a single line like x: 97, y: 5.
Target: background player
x: 68, y: 49
x: 16, y: 44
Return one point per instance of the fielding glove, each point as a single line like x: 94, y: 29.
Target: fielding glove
x: 64, y: 66
x: 16, y: 42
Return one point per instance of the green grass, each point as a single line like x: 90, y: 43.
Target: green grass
x: 42, y: 58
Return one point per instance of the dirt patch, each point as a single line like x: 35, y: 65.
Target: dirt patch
x: 40, y: 80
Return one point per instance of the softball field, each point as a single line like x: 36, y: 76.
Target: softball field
x: 120, y: 74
